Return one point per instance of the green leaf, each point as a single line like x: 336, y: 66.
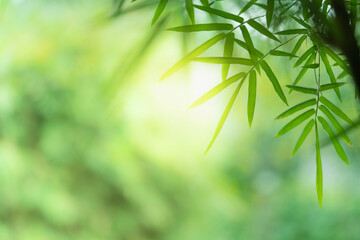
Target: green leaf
x: 300, y: 21
x: 305, y: 55
x: 247, y: 6
x: 337, y: 59
x: 261, y: 29
x: 314, y: 65
x: 302, y: 89
x: 297, y: 108
x: 251, y: 96
x: 205, y: 2
x: 269, y: 11
x: 319, y: 174
x: 220, y: 13
x: 335, y: 109
x: 249, y: 43
x: 336, y: 125
x: 303, y: 136
x: 225, y: 115
x: 224, y: 60
x: 273, y: 80
x: 190, y: 10
x: 281, y: 53
x: 159, y: 10
x: 338, y: 148
x: 342, y: 75
x: 292, y: 32
x: 216, y: 90
x: 328, y: 86
x: 228, y: 52
x: 295, y: 122
x: 244, y: 46
x: 196, y: 52
x: 298, y: 44
x: 304, y: 70
x: 330, y: 73
x: 202, y: 27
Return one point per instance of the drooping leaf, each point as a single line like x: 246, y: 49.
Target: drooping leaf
x: 300, y: 21
x: 330, y: 72
x: 247, y: 6
x: 244, y: 46
x: 336, y: 124
x: 261, y: 29
x: 335, y: 109
x: 302, y: 89
x: 304, y: 70
x: 328, y: 86
x: 205, y: 2
x: 298, y: 44
x: 269, y: 11
x: 196, y: 52
x: 303, y: 136
x: 225, y: 115
x: 202, y: 27
x: 297, y: 108
x: 303, y: 57
x: 281, y: 53
x: 313, y: 65
x: 228, y: 52
x: 224, y: 60
x: 251, y: 96
x: 249, y: 43
x: 216, y: 90
x: 190, y: 10
x: 338, y: 148
x: 295, y: 122
x: 292, y: 32
x: 319, y: 173
x: 159, y: 10
x: 220, y: 13
x: 273, y: 80
x: 337, y: 59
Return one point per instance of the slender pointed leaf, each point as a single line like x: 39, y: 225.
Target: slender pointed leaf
x: 292, y: 32
x: 328, y: 86
x: 337, y: 59
x: 319, y: 173
x: 295, y: 122
x: 302, y: 89
x: 196, y: 52
x: 202, y: 27
x: 330, y: 73
x: 225, y: 60
x: 335, y: 109
x: 281, y: 53
x: 269, y: 11
x: 297, y: 108
x: 159, y: 10
x: 251, y: 96
x: 298, y: 44
x: 228, y: 52
x: 190, y: 10
x: 261, y: 29
x: 305, y: 55
x: 220, y: 13
x: 303, y: 136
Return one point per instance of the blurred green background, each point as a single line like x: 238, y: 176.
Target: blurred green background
x: 93, y: 147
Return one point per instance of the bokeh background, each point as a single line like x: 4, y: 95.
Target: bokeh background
x: 93, y: 147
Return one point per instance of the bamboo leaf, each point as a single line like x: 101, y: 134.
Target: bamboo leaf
x: 302, y: 89
x: 292, y: 32
x: 281, y: 53
x: 328, y: 86
x: 249, y: 43
x: 298, y: 44
x: 273, y: 80
x: 303, y: 57
x: 251, y: 96
x: 196, y: 52
x: 295, y: 122
x: 297, y: 108
x: 314, y: 65
x: 300, y: 21
x: 336, y: 124
x: 159, y: 10
x: 319, y: 173
x: 269, y: 11
x: 228, y: 52
x: 244, y: 46
x: 335, y: 109
x: 338, y: 148
x: 216, y: 90
x: 247, y: 6
x: 224, y: 60
x: 330, y: 73
x: 304, y: 70
x: 337, y: 59
x: 220, y: 13
x: 190, y: 10
x: 303, y: 136
x: 261, y: 29
x: 225, y: 115
x: 202, y: 27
